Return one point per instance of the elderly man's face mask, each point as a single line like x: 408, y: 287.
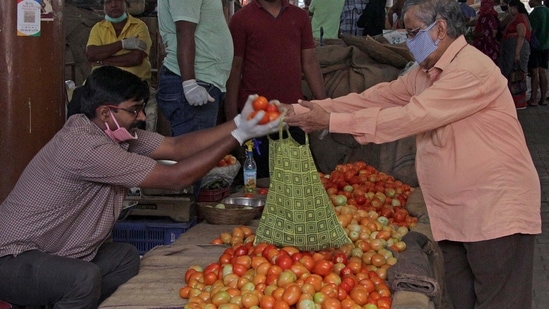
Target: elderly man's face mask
x: 421, y: 44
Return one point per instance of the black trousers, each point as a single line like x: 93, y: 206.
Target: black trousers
x: 495, y: 273
x: 35, y: 278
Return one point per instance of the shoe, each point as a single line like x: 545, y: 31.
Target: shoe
x: 542, y: 102
x: 532, y: 104
x: 520, y: 107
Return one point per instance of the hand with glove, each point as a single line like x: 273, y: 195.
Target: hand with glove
x: 134, y: 43
x: 195, y: 94
x: 248, y: 129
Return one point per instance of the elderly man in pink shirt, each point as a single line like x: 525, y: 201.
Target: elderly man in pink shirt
x: 480, y: 185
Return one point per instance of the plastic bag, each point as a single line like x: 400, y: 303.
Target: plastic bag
x: 297, y: 211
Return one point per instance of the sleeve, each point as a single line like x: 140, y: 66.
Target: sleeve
x: 390, y: 111
x: 187, y: 11
x: 307, y: 40
x: 94, y: 38
x: 144, y: 34
x: 238, y: 33
x: 107, y: 163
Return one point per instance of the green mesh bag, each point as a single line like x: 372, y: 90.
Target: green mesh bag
x: 297, y: 211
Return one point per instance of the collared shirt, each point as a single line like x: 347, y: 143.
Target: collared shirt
x: 103, y: 33
x: 69, y: 196
x: 473, y: 166
x: 214, y: 46
x: 352, y: 9
x: 271, y: 49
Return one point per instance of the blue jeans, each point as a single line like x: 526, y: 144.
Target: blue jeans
x: 185, y: 118
x: 35, y: 278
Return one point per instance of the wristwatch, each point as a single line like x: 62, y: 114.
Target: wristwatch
x: 99, y: 62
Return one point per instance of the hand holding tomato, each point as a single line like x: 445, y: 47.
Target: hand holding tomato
x: 250, y: 124
x: 260, y: 103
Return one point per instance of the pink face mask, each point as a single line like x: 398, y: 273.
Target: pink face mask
x: 120, y: 134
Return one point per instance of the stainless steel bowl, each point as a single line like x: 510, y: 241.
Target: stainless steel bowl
x: 246, y: 201
x: 255, y: 202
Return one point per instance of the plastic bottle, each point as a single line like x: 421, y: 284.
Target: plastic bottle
x: 250, y: 170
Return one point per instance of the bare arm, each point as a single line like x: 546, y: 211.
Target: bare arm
x: 233, y: 85
x: 521, y: 31
x: 97, y: 53
x: 196, y: 153
x: 313, y: 75
x: 186, y: 48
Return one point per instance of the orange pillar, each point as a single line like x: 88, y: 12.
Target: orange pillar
x: 32, y: 94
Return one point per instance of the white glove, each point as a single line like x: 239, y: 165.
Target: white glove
x: 248, y: 129
x: 134, y: 43
x: 195, y: 94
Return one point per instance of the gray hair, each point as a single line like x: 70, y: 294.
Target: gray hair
x: 431, y: 10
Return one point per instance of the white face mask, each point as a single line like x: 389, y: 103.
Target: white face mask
x: 120, y: 134
x: 422, y: 45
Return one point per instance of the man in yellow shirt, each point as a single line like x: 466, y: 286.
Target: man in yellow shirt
x: 120, y: 40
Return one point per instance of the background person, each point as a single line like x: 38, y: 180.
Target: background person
x: 539, y: 55
x: 325, y: 15
x: 486, y: 29
x: 273, y: 49
x: 373, y: 18
x: 349, y: 16
x: 476, y: 174
x: 199, y: 51
x: 120, y: 40
x: 55, y: 223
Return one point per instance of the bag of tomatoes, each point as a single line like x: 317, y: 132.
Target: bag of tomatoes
x: 297, y: 211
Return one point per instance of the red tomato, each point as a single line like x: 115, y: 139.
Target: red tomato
x: 284, y: 261
x: 262, y: 190
x: 272, y: 108
x: 339, y: 257
x: 260, y: 103
x: 322, y: 267
x: 273, y: 115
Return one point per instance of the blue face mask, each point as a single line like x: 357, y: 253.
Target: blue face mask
x: 422, y: 45
x: 122, y: 18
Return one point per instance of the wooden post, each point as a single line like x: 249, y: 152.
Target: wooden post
x: 32, y: 91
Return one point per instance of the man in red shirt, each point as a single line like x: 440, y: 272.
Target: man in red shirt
x: 273, y: 49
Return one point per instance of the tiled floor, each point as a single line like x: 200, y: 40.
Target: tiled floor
x: 535, y: 123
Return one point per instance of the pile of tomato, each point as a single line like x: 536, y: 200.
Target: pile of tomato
x: 269, y: 107
x: 352, y: 276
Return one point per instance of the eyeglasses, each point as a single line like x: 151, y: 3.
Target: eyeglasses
x: 135, y: 109
x: 410, y: 34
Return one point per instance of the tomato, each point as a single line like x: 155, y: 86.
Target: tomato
x: 266, y: 250
x: 322, y: 267
x: 359, y: 295
x: 378, y: 260
x: 284, y: 261
x: 184, y: 292
x: 239, y: 269
x: 339, y: 257
x: 221, y: 297
x: 292, y: 293
x: 260, y: 103
x: 210, y: 278
x: 265, y: 119
x: 262, y: 191
x: 249, y: 299
x: 267, y: 302
x: 307, y: 261
x: 271, y: 107
x: 273, y: 115
x: 286, y: 277
x: 331, y: 303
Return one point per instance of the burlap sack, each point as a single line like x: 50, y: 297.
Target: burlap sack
x: 297, y: 211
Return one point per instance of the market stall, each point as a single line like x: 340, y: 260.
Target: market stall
x: 162, y: 269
